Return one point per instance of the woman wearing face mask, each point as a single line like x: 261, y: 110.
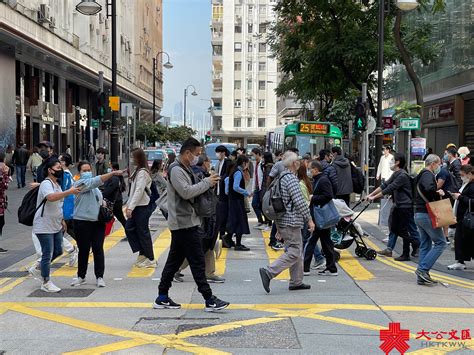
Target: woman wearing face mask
x: 90, y: 232
x: 139, y: 212
x: 464, y: 155
x: 48, y: 224
x: 237, y: 222
x: 463, y: 241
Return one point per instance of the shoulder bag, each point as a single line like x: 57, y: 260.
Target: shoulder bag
x: 326, y: 216
x: 440, y: 212
x: 468, y: 221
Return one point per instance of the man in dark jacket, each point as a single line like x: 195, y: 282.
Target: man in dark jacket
x: 328, y: 169
x: 400, y: 188
x: 344, y: 175
x: 222, y: 207
x: 20, y: 159
x: 101, y: 165
x: 454, y: 168
x: 112, y: 191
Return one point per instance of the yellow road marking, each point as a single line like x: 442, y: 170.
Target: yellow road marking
x: 121, y: 345
x: 353, y: 267
x: 411, y: 269
x: 273, y: 255
x: 161, y: 244
x: 221, y: 262
x: 110, y: 241
x: 12, y: 285
x: 2, y: 281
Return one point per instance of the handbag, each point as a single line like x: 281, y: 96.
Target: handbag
x: 468, y: 221
x: 106, y: 213
x: 440, y: 212
x: 326, y: 216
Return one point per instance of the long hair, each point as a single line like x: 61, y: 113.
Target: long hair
x: 303, y: 176
x: 140, y: 158
x: 241, y: 160
x: 157, y: 165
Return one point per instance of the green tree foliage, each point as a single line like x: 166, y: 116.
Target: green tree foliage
x: 159, y: 133
x: 406, y: 110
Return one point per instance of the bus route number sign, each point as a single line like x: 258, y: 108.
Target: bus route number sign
x: 313, y: 128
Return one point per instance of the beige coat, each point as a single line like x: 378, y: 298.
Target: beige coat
x: 138, y: 195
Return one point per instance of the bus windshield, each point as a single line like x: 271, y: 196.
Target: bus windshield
x: 312, y: 144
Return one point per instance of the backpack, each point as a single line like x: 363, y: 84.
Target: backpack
x: 152, y: 193
x: 358, y: 179
x: 28, y: 208
x: 273, y: 206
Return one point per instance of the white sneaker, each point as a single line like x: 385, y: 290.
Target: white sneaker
x: 140, y: 259
x: 267, y: 229
x: 100, y: 282
x: 148, y: 263
x: 347, y: 237
x: 457, y: 266
x: 258, y: 226
x: 35, y: 272
x: 385, y: 240
x: 319, y: 264
x: 451, y: 232
x: 306, y: 273
x: 78, y: 281
x: 50, y: 287
x: 73, y: 257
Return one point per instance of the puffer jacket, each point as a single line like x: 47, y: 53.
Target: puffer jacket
x: 330, y: 171
x: 344, y: 175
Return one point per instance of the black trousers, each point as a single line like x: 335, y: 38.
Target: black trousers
x: 70, y: 228
x: 346, y: 198
x: 185, y: 244
x: 327, y: 247
x: 399, y: 226
x: 90, y: 235
x: 2, y: 223
x: 138, y: 231
x: 118, y: 212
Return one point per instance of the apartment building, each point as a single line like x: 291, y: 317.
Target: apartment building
x: 244, y: 76
x: 50, y: 59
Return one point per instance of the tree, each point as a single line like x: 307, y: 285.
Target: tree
x: 179, y: 134
x: 406, y: 110
x: 342, y: 111
x: 159, y: 133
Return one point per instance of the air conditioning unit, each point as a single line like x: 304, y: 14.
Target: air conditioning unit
x: 107, y: 25
x: 43, y: 13
x: 104, y: 37
x: 91, y: 26
x: 52, y: 23
x: 128, y: 45
x: 101, y: 18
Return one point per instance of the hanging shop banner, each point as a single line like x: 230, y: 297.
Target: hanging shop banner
x: 418, y: 146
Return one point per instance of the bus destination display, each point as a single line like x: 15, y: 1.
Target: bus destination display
x: 313, y: 128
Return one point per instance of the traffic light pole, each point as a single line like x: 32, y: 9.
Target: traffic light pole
x: 365, y: 141
x: 379, y: 129
x: 114, y: 130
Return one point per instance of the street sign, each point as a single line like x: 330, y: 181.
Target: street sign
x: 387, y: 123
x: 371, y: 125
x: 409, y: 124
x: 94, y: 123
x: 114, y: 103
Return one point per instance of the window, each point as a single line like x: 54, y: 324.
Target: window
x: 238, y: 66
x: 261, y: 122
x: 217, y: 12
x: 237, y: 122
x: 261, y: 103
x: 217, y: 50
x: 261, y: 85
x: 238, y: 10
x: 262, y: 28
x: 250, y: 10
x: 262, y: 47
x: 262, y: 66
x: 249, y: 66
x: 249, y: 46
x: 263, y: 10
x: 237, y: 84
x: 249, y: 28
x: 238, y: 47
x: 249, y: 122
x: 249, y: 84
x: 237, y: 103
x: 238, y: 29
x: 249, y: 103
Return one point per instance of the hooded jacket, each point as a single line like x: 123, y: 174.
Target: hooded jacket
x: 344, y: 175
x: 330, y: 171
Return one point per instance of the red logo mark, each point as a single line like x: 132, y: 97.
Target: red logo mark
x: 394, y: 338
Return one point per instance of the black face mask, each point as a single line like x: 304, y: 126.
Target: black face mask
x: 57, y: 173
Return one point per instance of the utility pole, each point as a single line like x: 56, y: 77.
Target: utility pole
x: 114, y: 130
x: 365, y: 142
x: 379, y: 130
x: 101, y: 90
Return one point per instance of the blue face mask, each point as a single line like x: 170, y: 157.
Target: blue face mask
x: 86, y: 175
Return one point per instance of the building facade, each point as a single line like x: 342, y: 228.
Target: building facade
x: 50, y: 58
x: 244, y: 74
x: 448, y: 81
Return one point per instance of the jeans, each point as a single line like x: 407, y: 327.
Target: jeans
x: 20, y: 175
x: 51, y: 248
x: 257, y: 205
x: 90, y: 234
x: 428, y: 235
x: 138, y: 231
x: 185, y: 244
x: 306, y: 234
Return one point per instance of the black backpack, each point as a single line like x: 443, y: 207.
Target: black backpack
x: 28, y: 208
x: 358, y: 179
x: 152, y: 193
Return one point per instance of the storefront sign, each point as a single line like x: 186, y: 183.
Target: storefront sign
x: 387, y: 123
x: 409, y: 124
x: 418, y: 146
x: 95, y: 123
x: 45, y: 116
x: 440, y: 113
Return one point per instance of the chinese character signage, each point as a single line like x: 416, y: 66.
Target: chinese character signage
x: 313, y: 128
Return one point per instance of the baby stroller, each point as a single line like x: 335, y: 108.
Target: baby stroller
x: 348, y: 230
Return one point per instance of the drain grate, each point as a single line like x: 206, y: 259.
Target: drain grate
x: 65, y: 293
x: 13, y: 274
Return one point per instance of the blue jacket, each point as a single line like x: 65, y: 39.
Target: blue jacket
x: 68, y: 205
x: 87, y: 203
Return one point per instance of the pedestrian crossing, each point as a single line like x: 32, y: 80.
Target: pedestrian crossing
x: 273, y: 255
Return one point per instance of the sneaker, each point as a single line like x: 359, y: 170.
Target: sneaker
x: 78, y: 281
x: 423, y: 276
x: 241, y: 247
x: 431, y: 279
x: 306, y: 273
x: 278, y: 246
x: 73, y: 257
x: 318, y: 264
x: 299, y: 287
x: 50, y: 287
x: 165, y: 304
x: 451, y: 232
x: 457, y: 266
x: 214, y: 304
x: 35, y: 272
x: 420, y: 282
x: 147, y: 263
x: 448, y: 241
x: 326, y: 272
x: 178, y: 277
x: 265, y: 279
x: 385, y: 252
x: 385, y: 240
x: 215, y: 279
x: 3, y: 251
x: 259, y: 226
x: 100, y: 282
x: 402, y: 258
x: 140, y: 259
x: 227, y: 241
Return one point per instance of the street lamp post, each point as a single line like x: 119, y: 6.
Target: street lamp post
x: 194, y: 93
x: 167, y: 65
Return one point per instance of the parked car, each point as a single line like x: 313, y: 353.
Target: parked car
x: 210, y: 150
x: 153, y: 154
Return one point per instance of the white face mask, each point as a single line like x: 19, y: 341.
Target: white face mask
x: 392, y: 165
x: 195, y: 161
x: 465, y: 179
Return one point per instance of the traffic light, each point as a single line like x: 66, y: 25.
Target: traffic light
x: 361, y: 116
x: 102, y: 110
x: 208, y: 136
